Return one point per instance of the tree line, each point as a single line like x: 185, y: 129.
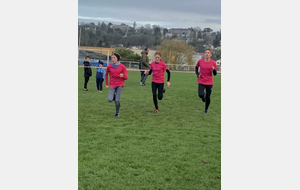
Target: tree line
x: 106, y: 35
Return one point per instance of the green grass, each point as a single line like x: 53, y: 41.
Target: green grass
x: 143, y: 150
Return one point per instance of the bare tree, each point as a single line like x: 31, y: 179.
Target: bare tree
x: 176, y: 52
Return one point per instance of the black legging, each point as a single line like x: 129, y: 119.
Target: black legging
x: 160, y: 87
x: 86, y: 81
x: 202, y: 95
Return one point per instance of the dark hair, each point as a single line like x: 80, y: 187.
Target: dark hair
x: 146, y: 49
x: 100, y: 62
x: 117, y: 55
x: 87, y: 57
x: 208, y: 50
x: 158, y: 53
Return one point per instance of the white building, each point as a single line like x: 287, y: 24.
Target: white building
x: 169, y: 34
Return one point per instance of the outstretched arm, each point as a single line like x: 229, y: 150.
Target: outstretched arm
x: 214, y: 70
x: 148, y: 72
x: 169, y: 75
x: 124, y: 75
x: 197, y: 71
x: 106, y: 77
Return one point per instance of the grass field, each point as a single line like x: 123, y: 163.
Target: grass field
x: 143, y: 150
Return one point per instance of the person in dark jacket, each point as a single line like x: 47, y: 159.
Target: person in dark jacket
x: 144, y: 65
x: 87, y: 71
x: 100, y: 76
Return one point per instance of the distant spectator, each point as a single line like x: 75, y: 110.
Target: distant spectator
x: 100, y: 76
x: 144, y: 65
x: 87, y: 71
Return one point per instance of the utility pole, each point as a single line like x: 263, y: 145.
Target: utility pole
x: 79, y: 41
x: 169, y: 56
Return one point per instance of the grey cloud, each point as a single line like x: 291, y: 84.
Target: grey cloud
x: 186, y: 13
x: 216, y: 21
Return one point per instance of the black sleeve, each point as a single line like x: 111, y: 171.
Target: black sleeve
x: 214, y: 72
x: 89, y: 69
x: 197, y: 71
x: 169, y: 75
x: 150, y: 72
x: 85, y: 67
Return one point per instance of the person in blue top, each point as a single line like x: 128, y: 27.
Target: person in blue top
x: 100, y: 76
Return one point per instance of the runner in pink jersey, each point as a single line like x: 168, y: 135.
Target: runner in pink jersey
x: 117, y: 74
x: 158, y: 78
x: 205, y: 80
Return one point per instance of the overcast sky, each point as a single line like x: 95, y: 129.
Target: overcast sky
x: 165, y: 13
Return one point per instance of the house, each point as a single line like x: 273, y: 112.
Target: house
x: 179, y: 31
x: 168, y: 34
x: 217, y: 48
x: 123, y: 28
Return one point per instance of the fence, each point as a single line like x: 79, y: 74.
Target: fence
x: 175, y: 67
x: 136, y: 65
x: 93, y: 62
x: 131, y: 64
